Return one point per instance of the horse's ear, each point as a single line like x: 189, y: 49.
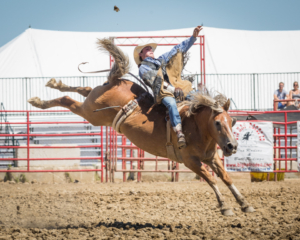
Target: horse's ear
x: 226, y: 105
x: 233, y: 121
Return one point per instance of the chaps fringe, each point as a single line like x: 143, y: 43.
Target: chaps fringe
x: 121, y: 65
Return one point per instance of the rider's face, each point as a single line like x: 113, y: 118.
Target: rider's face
x: 146, y: 52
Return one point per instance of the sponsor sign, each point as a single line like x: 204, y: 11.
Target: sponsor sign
x: 298, y: 144
x: 255, y: 147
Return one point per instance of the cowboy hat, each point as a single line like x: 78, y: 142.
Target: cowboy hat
x: 139, y: 48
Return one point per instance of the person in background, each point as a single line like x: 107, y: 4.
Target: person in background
x: 295, y: 94
x: 200, y: 88
x: 280, y: 94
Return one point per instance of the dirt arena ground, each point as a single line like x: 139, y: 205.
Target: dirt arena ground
x: 147, y: 210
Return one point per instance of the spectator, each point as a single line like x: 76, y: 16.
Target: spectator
x: 295, y: 94
x: 202, y: 88
x: 280, y: 94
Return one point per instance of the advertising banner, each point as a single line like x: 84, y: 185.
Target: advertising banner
x: 255, y: 148
x: 298, y: 144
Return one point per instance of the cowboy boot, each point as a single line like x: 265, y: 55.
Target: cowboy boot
x: 180, y: 136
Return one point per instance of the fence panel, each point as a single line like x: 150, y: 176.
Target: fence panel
x: 116, y: 145
x: 35, y: 130
x: 247, y: 91
x: 238, y: 87
x: 268, y: 83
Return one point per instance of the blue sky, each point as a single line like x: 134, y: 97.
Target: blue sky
x: 137, y: 15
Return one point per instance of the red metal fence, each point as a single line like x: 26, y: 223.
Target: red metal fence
x: 284, y: 148
x: 172, y: 166
x: 285, y: 101
x: 29, y: 124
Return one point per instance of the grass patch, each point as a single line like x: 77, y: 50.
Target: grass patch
x: 68, y: 177
x: 97, y: 177
x: 8, y: 176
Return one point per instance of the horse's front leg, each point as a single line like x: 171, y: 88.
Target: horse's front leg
x: 196, y: 166
x: 217, y: 166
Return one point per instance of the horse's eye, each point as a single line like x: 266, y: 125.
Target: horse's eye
x: 218, y: 123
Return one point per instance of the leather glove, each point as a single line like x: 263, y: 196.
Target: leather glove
x: 178, y: 94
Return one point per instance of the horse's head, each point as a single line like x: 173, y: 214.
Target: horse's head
x: 213, y: 120
x: 220, y: 126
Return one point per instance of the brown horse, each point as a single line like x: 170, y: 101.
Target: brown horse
x: 205, y: 120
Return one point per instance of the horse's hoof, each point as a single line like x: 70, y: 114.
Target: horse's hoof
x: 51, y: 83
x: 248, y: 209
x: 37, y: 102
x: 227, y: 212
x: 34, y: 101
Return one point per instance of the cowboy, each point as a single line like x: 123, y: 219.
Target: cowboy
x: 148, y: 69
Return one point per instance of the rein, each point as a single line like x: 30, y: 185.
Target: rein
x: 97, y: 110
x: 107, y: 70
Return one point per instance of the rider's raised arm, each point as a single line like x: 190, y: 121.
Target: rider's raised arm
x: 183, y: 47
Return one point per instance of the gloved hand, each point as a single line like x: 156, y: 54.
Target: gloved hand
x: 178, y: 94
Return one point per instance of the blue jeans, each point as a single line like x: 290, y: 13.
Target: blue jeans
x: 170, y: 103
x: 281, y: 106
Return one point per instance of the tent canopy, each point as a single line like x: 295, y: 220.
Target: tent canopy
x: 44, y: 53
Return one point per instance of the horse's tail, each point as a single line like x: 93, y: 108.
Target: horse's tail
x: 121, y: 65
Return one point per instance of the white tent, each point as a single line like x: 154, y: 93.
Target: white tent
x: 43, y: 53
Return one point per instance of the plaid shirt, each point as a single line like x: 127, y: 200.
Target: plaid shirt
x: 183, y: 47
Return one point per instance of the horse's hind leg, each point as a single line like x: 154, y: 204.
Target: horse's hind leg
x: 84, y: 91
x: 65, y: 102
x: 196, y: 166
x: 217, y: 166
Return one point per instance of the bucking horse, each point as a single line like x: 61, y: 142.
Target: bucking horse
x: 205, y: 120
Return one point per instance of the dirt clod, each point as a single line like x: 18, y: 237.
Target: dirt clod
x: 34, y: 181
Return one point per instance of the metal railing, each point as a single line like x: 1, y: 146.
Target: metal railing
x: 113, y: 157
x: 251, y: 91
x: 286, y: 101
x: 248, y: 91
x: 8, y: 131
x: 285, y: 153
x: 28, y: 135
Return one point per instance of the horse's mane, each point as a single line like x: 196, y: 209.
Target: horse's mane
x: 204, y: 98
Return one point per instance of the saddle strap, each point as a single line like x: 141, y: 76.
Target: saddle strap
x: 169, y: 145
x: 126, y: 111
x: 123, y: 114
